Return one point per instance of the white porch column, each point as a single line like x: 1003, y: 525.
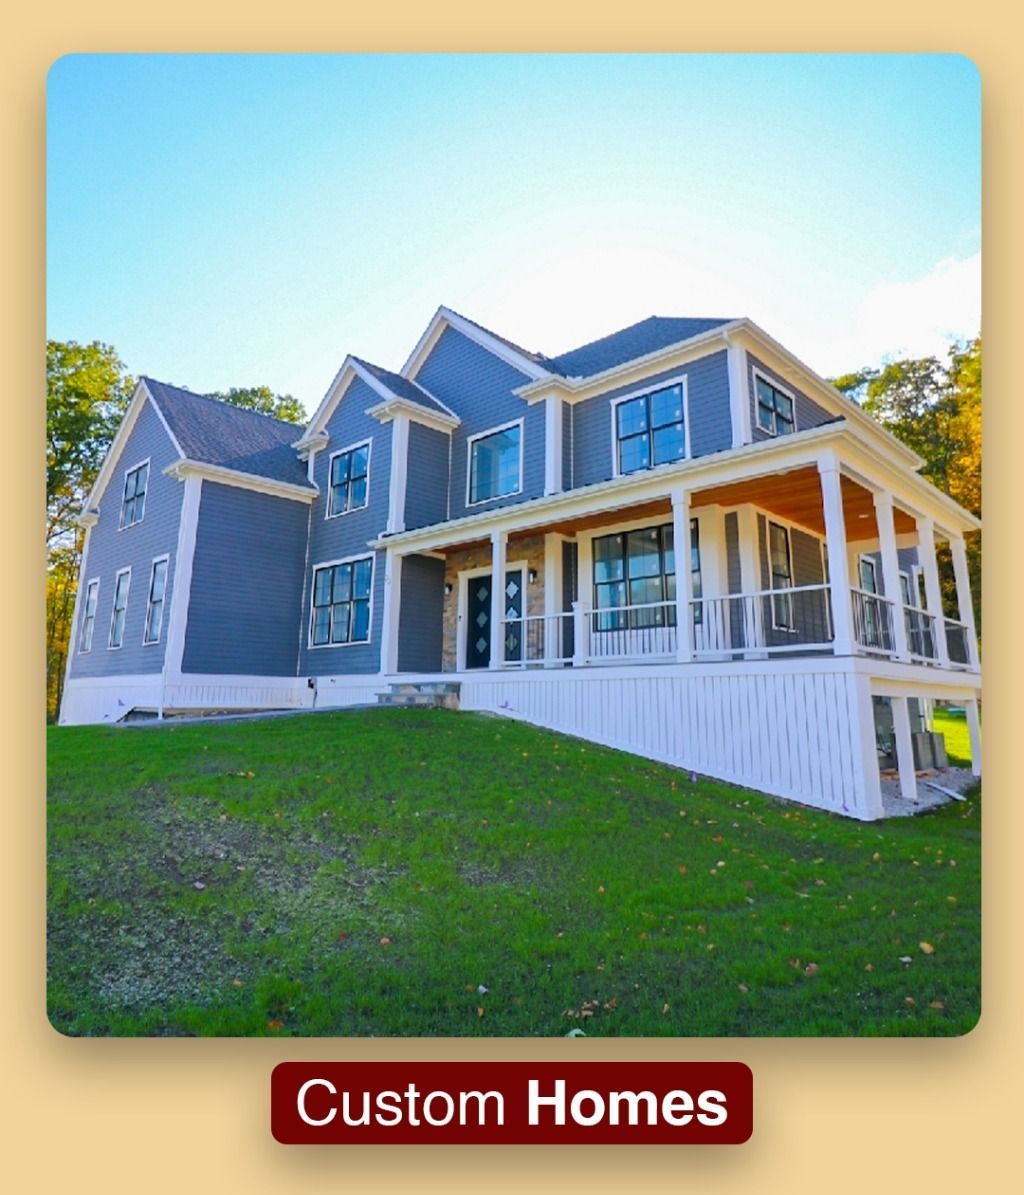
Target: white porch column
x: 553, y: 483
x: 580, y: 634
x: 974, y: 727
x: 904, y: 748
x: 399, y: 473
x: 891, y: 571
x: 933, y: 593
x: 392, y: 612
x: 684, y: 576
x: 838, y: 564
x: 963, y: 596
x: 498, y: 552
x: 751, y: 582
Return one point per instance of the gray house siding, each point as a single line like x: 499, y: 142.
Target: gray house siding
x: 426, y: 486
x: 478, y: 387
x: 806, y: 411
x: 111, y: 549
x: 349, y: 535
x: 707, y: 389
x: 907, y: 559
x: 420, y: 616
x: 247, y: 576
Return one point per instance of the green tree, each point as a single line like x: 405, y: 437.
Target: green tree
x: 264, y: 400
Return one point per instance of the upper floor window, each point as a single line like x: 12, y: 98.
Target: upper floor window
x: 133, y: 505
x: 341, y: 602
x: 349, y: 479
x: 650, y: 429
x: 774, y: 408
x: 155, y: 607
x: 120, y: 608
x: 496, y: 463
x: 92, y: 595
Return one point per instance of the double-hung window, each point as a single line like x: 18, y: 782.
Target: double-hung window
x: 92, y: 595
x: 133, y: 504
x: 348, y: 483
x: 774, y: 408
x: 341, y: 602
x: 780, y: 564
x: 650, y: 429
x: 119, y: 612
x: 495, y: 463
x: 155, y: 607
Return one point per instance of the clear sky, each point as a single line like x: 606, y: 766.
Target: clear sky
x: 237, y: 220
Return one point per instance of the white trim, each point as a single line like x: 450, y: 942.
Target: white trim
x: 338, y: 514
x: 392, y: 612
x: 121, y: 524
x: 384, y: 412
x: 244, y: 481
x: 445, y: 317
x: 739, y: 393
x: 181, y: 584
x: 554, y: 482
x: 166, y: 558
x: 768, y: 380
x: 843, y: 638
x: 121, y: 572
x: 73, y: 647
x: 399, y: 479
x: 371, y: 555
x: 494, y: 431
x: 642, y: 392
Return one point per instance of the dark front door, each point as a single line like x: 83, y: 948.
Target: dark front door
x: 478, y: 619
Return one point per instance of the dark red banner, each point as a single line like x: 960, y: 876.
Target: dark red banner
x: 512, y: 1103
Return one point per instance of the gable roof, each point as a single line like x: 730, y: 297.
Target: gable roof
x: 405, y: 388
x: 648, y: 336
x: 212, y: 432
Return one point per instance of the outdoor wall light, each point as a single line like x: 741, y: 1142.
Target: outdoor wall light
x: 447, y: 589
x: 532, y: 575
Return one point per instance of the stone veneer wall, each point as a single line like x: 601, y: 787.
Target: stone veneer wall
x: 529, y: 551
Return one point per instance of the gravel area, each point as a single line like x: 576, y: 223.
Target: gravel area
x: 928, y: 798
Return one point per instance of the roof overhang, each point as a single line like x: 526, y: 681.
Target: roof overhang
x: 386, y: 411
x: 184, y: 467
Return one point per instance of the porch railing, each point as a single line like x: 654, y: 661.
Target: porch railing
x: 920, y: 633
x: 957, y: 644
x: 770, y: 621
x: 629, y: 632
x: 873, y: 621
x: 538, y: 639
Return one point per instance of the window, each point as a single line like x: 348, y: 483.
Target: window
x: 155, y: 608
x: 341, y: 603
x: 349, y: 471
x: 92, y: 596
x: 780, y: 563
x: 868, y: 576
x: 117, y: 615
x: 774, y: 408
x: 133, y: 505
x: 637, y: 568
x: 495, y: 460
x: 650, y: 430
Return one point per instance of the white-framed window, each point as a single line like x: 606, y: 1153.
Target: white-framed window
x: 341, y: 603
x: 155, y: 605
x: 649, y: 429
x: 92, y: 597
x: 133, y: 502
x: 495, y: 468
x: 780, y: 572
x: 119, y: 612
x: 348, y: 479
x: 776, y: 412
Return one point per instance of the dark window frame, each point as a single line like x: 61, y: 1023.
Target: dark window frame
x: 782, y: 604
x: 623, y: 619
x: 348, y: 483
x: 344, y: 602
x: 779, y: 404
x: 92, y: 594
x: 652, y: 424
x: 472, y: 474
x: 119, y: 624
x: 133, y: 505
x: 154, y: 602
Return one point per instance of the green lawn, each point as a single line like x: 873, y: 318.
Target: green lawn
x: 362, y: 874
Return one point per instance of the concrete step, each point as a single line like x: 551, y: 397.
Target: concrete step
x: 432, y: 686
x: 435, y: 701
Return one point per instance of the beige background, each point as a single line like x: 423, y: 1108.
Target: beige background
x: 190, y: 1116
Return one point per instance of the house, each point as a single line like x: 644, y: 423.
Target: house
x: 531, y: 533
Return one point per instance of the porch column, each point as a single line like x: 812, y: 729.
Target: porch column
x: 891, y: 572
x: 554, y: 636
x: 963, y: 596
x: 499, y: 541
x: 933, y: 593
x: 751, y: 583
x: 392, y: 612
x: 838, y: 564
x: 974, y: 727
x: 904, y: 748
x: 684, y: 576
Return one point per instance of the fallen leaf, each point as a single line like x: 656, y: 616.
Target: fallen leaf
x: 479, y: 1012
x: 683, y: 869
x: 936, y: 1004
x: 275, y: 1024
x: 811, y: 969
x: 909, y: 1000
x: 199, y: 885
x: 236, y: 983
x: 385, y: 941
x: 575, y: 1033
x: 870, y: 967
x: 664, y: 1009
x: 926, y: 947
x: 905, y: 958
x: 743, y: 988
x: 341, y: 937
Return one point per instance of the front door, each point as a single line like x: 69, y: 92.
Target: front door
x: 478, y: 618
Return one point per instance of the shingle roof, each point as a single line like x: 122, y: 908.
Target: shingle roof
x: 404, y: 388
x: 217, y: 433
x: 649, y: 335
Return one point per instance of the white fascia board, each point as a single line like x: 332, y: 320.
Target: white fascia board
x: 90, y: 512
x: 387, y: 410
x: 574, y: 390
x: 245, y: 481
x: 445, y: 317
x: 330, y: 400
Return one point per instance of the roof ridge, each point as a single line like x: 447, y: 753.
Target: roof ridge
x: 221, y: 402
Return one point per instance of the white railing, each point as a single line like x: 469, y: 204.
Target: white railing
x: 873, y: 622
x: 538, y: 639
x: 958, y: 644
x: 631, y: 632
x: 920, y: 633
x: 771, y: 621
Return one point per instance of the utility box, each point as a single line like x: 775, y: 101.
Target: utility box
x: 929, y: 750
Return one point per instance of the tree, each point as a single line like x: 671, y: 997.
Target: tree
x: 264, y: 400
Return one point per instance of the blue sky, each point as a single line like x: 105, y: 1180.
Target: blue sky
x: 234, y: 220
